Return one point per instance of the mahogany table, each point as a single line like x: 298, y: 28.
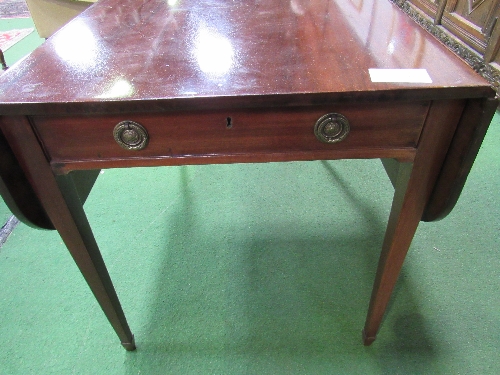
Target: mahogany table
x: 157, y: 83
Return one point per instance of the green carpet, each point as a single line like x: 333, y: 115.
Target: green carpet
x: 259, y: 269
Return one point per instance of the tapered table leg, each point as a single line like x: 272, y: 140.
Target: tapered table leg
x: 402, y: 225
x: 60, y: 200
x: 88, y: 258
x: 414, y: 184
x: 2, y: 61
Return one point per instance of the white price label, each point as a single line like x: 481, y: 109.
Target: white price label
x: 400, y: 75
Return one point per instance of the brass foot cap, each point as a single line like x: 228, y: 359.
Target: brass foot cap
x: 129, y: 346
x: 368, y: 340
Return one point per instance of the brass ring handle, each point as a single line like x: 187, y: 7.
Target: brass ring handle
x: 131, y: 135
x: 331, y: 128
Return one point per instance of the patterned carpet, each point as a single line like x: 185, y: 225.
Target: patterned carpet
x: 13, y: 9
x: 11, y: 37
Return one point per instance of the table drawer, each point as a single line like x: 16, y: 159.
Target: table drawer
x: 232, y: 132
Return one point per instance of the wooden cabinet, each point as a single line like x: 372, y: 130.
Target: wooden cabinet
x: 469, y: 27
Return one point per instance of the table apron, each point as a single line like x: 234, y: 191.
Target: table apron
x: 377, y: 130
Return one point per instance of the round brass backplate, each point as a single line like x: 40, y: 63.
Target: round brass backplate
x: 131, y: 135
x: 331, y: 128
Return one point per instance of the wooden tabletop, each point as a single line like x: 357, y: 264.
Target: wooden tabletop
x: 135, y: 55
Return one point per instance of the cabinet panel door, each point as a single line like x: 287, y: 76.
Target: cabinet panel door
x: 471, y: 21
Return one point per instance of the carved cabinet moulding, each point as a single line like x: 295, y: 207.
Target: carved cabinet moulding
x: 474, y: 4
x: 471, y: 57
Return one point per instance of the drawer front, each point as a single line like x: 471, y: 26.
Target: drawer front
x: 232, y: 132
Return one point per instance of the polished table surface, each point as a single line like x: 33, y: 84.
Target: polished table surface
x: 239, y: 81
x: 137, y: 55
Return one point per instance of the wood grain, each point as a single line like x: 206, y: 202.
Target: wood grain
x: 374, y: 128
x: 274, y: 67
x: 134, y: 56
